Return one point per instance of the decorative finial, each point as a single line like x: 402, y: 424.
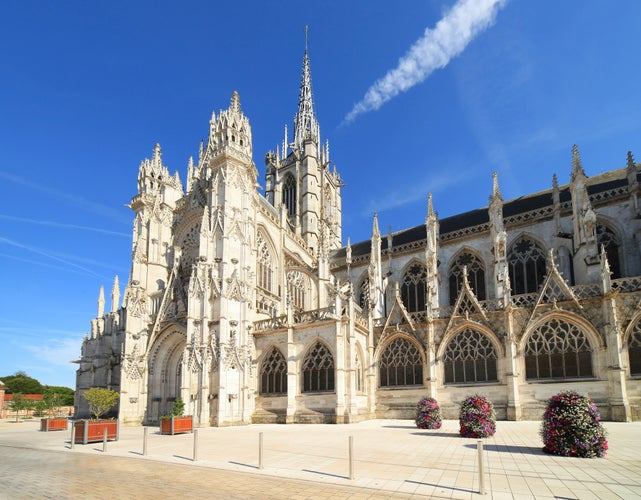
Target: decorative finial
x: 496, y: 192
x: 306, y: 36
x: 555, y: 182
x: 430, y: 207
x: 375, y: 231
x: 235, y: 102
x: 577, y: 167
x: 631, y: 164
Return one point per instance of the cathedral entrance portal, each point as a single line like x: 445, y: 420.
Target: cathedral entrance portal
x: 165, y: 373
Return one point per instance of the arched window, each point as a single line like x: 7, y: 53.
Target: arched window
x: 273, y: 373
x: 526, y: 261
x: 475, y: 276
x: 265, y: 265
x: 470, y: 357
x: 296, y: 288
x: 400, y: 364
x: 634, y: 349
x: 359, y: 373
x: 318, y: 369
x: 557, y: 349
x: 289, y: 194
x: 413, y: 288
x: 607, y: 238
x: 363, y: 294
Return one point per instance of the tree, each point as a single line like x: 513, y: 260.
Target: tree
x: 19, y: 403
x: 100, y: 400
x: 65, y: 394
x: 22, y: 383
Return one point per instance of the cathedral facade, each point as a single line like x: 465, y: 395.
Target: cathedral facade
x: 249, y: 308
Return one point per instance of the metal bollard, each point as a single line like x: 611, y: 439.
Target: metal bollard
x: 195, y: 445
x: 73, y: 435
x: 104, y: 441
x: 260, y: 450
x: 479, y: 450
x: 351, y: 457
x: 144, y: 441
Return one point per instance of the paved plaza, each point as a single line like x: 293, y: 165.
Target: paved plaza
x: 390, y: 459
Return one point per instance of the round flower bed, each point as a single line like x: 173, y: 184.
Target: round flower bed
x: 428, y: 414
x: 572, y: 427
x: 477, y: 418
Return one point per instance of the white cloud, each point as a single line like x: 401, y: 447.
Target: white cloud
x: 433, y: 51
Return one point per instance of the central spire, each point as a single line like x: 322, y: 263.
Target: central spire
x: 305, y: 124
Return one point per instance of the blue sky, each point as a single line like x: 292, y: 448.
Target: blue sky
x: 88, y: 88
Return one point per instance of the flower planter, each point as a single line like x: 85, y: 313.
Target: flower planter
x: 176, y: 425
x: 53, y: 424
x: 92, y: 431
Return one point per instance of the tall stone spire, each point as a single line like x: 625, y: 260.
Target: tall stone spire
x: 101, y: 302
x: 499, y: 243
x: 431, y: 256
x: 305, y: 124
x: 375, y: 273
x: 115, y: 295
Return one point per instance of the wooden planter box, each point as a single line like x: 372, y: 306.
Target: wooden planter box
x: 92, y: 431
x: 176, y: 425
x: 53, y: 424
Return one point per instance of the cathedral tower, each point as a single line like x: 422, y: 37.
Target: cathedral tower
x: 300, y: 182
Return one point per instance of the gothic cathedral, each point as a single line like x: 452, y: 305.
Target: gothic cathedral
x: 250, y: 309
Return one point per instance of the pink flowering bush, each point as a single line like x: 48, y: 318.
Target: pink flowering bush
x: 477, y: 418
x: 572, y: 427
x: 428, y: 414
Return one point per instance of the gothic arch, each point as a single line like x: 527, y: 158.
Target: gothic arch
x: 476, y: 269
x: 318, y: 368
x: 272, y: 373
x: 609, y: 235
x: 560, y: 345
x: 471, y: 325
x: 266, y: 262
x: 299, y: 285
x: 289, y: 194
x: 413, y: 286
x: 526, y: 259
x: 359, y: 369
x: 632, y: 343
x: 399, y: 361
x: 470, y: 354
x: 165, y: 366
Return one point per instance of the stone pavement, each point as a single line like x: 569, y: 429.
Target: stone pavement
x: 391, y: 459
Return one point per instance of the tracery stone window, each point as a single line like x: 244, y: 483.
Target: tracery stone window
x: 634, y: 349
x: 470, y: 357
x: 189, y: 247
x: 296, y: 288
x: 318, y: 369
x: 273, y: 373
x: 475, y: 276
x: 607, y: 238
x: 289, y: 194
x: 400, y: 364
x: 558, y: 349
x: 413, y: 288
x: 526, y: 261
x: 363, y: 294
x: 359, y: 373
x: 265, y: 265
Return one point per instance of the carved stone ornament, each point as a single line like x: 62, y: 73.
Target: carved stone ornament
x: 133, y: 364
x: 136, y: 301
